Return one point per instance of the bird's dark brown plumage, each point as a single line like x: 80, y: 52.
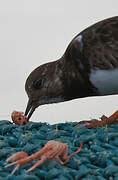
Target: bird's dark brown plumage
x: 89, y: 62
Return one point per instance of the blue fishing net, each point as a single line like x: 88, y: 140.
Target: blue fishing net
x: 98, y: 159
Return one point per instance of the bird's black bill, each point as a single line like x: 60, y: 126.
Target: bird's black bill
x: 29, y: 109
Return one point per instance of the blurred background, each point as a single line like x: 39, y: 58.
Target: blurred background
x: 33, y: 32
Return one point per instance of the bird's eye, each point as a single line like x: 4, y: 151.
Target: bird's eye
x: 37, y: 84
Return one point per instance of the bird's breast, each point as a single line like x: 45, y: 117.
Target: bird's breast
x: 106, y: 81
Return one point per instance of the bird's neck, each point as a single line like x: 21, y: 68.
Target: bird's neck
x: 76, y: 85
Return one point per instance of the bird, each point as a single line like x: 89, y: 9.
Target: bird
x: 89, y: 67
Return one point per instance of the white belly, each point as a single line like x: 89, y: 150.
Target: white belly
x: 106, y: 81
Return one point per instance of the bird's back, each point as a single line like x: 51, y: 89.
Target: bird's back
x: 96, y: 50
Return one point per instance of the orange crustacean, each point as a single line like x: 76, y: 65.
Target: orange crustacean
x: 19, y: 118
x: 105, y: 121
x: 53, y: 149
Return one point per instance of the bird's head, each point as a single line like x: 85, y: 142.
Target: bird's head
x: 43, y: 86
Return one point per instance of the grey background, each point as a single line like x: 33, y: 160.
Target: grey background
x: 33, y: 32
